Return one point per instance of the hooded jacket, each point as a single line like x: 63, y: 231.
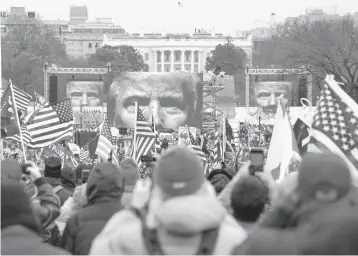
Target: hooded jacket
x: 104, y: 191
x: 20, y: 230
x: 179, y: 221
x: 73, y: 205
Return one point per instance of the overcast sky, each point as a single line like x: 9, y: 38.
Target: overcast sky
x: 165, y: 15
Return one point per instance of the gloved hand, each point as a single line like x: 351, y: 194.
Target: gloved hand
x: 33, y: 171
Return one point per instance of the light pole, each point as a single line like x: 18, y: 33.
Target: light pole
x: 46, y: 93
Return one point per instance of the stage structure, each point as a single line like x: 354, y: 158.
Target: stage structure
x: 210, y: 109
x: 53, y: 70
x: 272, y: 71
x: 259, y: 111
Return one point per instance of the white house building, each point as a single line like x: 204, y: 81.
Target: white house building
x: 176, y: 52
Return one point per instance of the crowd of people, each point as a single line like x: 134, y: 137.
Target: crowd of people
x: 107, y: 209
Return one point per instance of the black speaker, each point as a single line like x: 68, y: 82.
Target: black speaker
x: 53, y: 89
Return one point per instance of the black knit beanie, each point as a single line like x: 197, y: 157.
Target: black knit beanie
x: 53, y: 167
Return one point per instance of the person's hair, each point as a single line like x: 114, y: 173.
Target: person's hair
x: 248, y: 198
x: 128, y: 163
x: 186, y: 81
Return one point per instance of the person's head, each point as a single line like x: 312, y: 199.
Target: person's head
x: 323, y: 178
x: 268, y: 93
x: 170, y: 98
x: 53, y: 167
x: 249, y: 198
x: 16, y: 207
x: 86, y: 93
x: 179, y: 172
x: 105, y: 180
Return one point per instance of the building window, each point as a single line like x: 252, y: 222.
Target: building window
x: 187, y: 56
x: 146, y: 56
x: 177, y: 56
x: 89, y: 45
x: 196, y: 56
x: 159, y: 56
x: 167, y: 56
x: 97, y: 45
x: 167, y: 70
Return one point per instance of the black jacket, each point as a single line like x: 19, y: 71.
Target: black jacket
x: 104, y: 192
x: 63, y: 194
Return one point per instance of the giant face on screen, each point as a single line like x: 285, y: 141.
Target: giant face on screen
x: 267, y: 94
x: 169, y: 99
x: 85, y: 93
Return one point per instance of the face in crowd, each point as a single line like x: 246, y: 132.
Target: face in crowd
x: 86, y: 93
x: 167, y: 98
x: 267, y: 94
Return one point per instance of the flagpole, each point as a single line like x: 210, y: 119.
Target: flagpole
x: 135, y: 131
x: 224, y: 138
x: 17, y: 118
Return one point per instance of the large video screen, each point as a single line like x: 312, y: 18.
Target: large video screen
x: 83, y: 90
x: 267, y: 94
x: 170, y: 99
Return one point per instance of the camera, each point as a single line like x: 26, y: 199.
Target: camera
x: 147, y: 159
x: 84, y: 175
x: 24, y: 168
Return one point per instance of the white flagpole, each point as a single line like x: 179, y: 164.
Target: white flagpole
x: 17, y: 118
x: 135, y: 131
x: 224, y: 138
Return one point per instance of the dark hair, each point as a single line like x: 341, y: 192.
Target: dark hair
x: 248, y: 199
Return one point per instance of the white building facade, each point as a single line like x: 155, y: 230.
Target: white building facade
x: 176, y: 52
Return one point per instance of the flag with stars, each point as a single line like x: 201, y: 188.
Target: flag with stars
x: 144, y: 137
x: 335, y: 123
x: 105, y: 146
x: 194, y: 145
x: 51, y: 124
x: 22, y: 98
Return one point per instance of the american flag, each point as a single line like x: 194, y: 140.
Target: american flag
x: 51, y: 124
x: 26, y: 136
x: 84, y: 155
x: 144, y: 137
x: 22, y: 98
x: 105, y: 145
x: 40, y: 100
x: 194, y: 145
x: 217, y: 147
x: 335, y: 123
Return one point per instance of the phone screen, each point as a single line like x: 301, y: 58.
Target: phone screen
x: 85, y: 175
x: 256, y: 158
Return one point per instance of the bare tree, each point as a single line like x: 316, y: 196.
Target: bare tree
x: 324, y: 47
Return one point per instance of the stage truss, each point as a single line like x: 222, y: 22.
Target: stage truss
x: 53, y: 69
x: 274, y: 71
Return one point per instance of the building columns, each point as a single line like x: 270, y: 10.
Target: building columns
x: 172, y: 61
x: 182, y: 60
x: 192, y: 61
x: 199, y: 60
x: 163, y: 61
x: 155, y: 61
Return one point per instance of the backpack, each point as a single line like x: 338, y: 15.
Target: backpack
x: 153, y: 246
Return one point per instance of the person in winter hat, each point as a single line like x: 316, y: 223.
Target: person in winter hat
x: 20, y: 230
x: 131, y: 175
x: 52, y: 174
x: 324, y: 192
x: 68, y: 179
x: 249, y: 199
x: 45, y: 204
x: 180, y: 215
x: 104, y: 191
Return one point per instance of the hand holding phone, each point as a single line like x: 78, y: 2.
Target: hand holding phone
x: 256, y: 158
